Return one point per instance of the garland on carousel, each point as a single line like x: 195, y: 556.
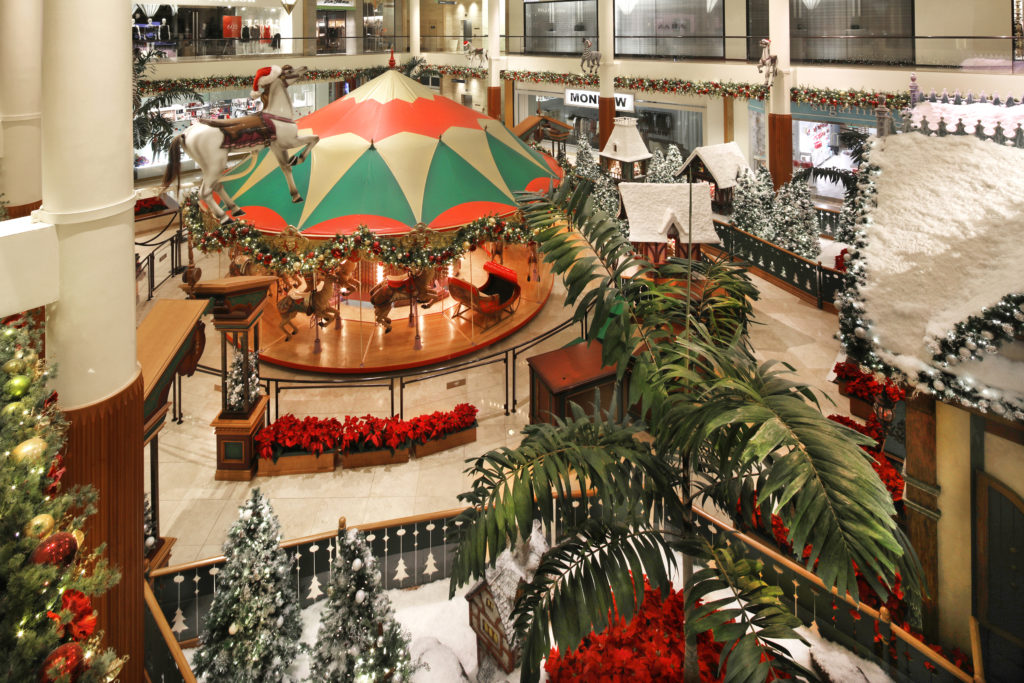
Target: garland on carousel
x: 866, y: 99
x: 746, y: 91
x: 400, y: 250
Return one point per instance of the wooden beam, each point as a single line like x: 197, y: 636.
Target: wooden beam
x: 729, y: 122
x: 780, y: 148
x: 922, y: 501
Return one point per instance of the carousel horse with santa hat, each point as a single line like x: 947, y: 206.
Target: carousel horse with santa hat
x: 208, y: 141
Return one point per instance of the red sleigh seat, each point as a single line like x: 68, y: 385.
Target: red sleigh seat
x: 497, y: 297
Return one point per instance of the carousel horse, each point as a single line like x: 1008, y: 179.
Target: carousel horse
x: 301, y: 298
x: 768, y: 63
x: 209, y: 140
x: 345, y: 275
x: 498, y: 254
x: 399, y: 286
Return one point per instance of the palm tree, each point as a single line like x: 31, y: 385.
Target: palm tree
x: 723, y: 429
x: 149, y: 127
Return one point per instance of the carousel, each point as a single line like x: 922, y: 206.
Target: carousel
x: 393, y: 230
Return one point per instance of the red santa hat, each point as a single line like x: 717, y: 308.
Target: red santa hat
x: 264, y: 77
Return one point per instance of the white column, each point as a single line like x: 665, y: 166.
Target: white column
x: 778, y: 33
x: 21, y: 45
x: 494, y: 14
x: 88, y: 194
x: 414, y: 28
x: 606, y: 44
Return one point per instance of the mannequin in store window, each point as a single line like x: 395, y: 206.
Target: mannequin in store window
x: 164, y: 32
x: 136, y: 32
x: 245, y: 33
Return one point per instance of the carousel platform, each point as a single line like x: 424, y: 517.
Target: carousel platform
x: 446, y: 329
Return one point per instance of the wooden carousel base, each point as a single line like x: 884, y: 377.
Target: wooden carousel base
x: 359, y: 346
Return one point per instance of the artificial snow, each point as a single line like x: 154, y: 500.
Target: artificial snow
x: 653, y: 208
x: 985, y: 112
x: 830, y: 249
x: 944, y: 241
x: 724, y: 162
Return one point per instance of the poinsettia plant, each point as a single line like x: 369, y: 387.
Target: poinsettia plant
x: 864, y: 386
x: 318, y: 435
x: 149, y: 205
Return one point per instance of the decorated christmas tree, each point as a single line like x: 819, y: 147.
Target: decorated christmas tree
x: 47, y: 581
x: 253, y: 628
x: 586, y: 165
x: 673, y: 162
x: 359, y: 639
x: 752, y: 204
x: 795, y: 221
x: 237, y: 388
x: 657, y: 171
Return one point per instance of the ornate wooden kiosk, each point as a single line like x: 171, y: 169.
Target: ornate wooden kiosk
x: 237, y: 306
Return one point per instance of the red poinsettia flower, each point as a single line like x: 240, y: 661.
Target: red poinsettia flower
x: 82, y: 622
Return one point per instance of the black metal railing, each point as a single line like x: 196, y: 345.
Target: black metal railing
x: 164, y: 258
x: 812, y: 278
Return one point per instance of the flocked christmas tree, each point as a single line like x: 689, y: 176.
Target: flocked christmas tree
x: 752, y: 204
x: 586, y: 165
x: 254, y: 624
x: 359, y: 638
x: 657, y: 171
x: 47, y: 582
x: 795, y: 220
x: 237, y: 387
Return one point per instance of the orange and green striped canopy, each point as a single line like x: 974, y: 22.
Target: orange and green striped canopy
x: 392, y: 154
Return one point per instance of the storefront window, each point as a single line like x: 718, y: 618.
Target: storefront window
x: 333, y: 28
x: 669, y: 28
x: 204, y: 29
x: 864, y: 31
x: 559, y: 26
x: 383, y: 27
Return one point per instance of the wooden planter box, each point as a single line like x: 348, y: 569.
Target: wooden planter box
x: 296, y: 462
x: 384, y: 456
x: 422, y: 450
x: 858, y: 406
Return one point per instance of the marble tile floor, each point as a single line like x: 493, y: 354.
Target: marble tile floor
x: 197, y: 510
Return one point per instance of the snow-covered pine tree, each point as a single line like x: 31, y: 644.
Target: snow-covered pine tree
x: 606, y: 195
x: 586, y: 165
x: 795, y: 220
x: 656, y: 172
x: 359, y: 638
x: 752, y: 204
x: 673, y: 162
x: 254, y: 625
x: 236, y: 381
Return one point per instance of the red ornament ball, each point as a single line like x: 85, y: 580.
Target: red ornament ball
x: 59, y: 548
x: 66, y: 660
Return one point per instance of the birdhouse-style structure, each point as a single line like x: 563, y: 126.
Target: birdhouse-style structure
x: 625, y: 155
x: 720, y: 165
x: 659, y: 214
x: 492, y: 600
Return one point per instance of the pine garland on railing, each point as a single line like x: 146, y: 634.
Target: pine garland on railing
x: 866, y: 99
x: 452, y: 71
x: 745, y: 91
x: 210, y: 236
x: 524, y: 76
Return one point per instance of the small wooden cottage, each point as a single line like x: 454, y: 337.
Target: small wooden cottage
x: 720, y: 165
x: 659, y: 218
x: 625, y: 155
x: 492, y: 600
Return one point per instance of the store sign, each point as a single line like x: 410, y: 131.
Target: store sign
x: 335, y: 4
x: 232, y: 27
x: 590, y: 99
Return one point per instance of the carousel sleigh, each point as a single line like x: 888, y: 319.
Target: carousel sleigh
x: 498, y: 297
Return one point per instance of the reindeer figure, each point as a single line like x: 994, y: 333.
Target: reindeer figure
x: 591, y: 59
x: 769, y: 63
x: 474, y: 53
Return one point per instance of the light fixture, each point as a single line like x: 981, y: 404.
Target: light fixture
x: 711, y: 5
x: 811, y: 4
x: 289, y: 5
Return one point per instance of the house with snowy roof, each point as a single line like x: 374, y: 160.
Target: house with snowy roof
x: 935, y: 298
x: 720, y: 165
x: 659, y: 215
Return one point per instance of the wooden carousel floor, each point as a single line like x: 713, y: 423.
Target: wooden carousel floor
x: 359, y: 346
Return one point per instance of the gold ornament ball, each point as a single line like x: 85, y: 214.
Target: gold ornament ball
x: 18, y: 385
x: 14, y: 366
x: 28, y: 357
x: 12, y: 410
x: 29, y: 449
x: 40, y: 526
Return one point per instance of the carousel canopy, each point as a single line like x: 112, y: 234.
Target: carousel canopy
x: 392, y: 154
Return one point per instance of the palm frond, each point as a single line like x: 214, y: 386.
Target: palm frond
x: 747, y: 621
x: 583, y: 581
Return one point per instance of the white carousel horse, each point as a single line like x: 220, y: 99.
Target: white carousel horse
x: 474, y: 53
x: 591, y: 59
x: 208, y: 140
x: 769, y: 63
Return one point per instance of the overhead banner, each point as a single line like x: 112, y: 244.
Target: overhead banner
x: 590, y: 98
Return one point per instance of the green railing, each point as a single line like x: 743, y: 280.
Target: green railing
x: 821, y: 284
